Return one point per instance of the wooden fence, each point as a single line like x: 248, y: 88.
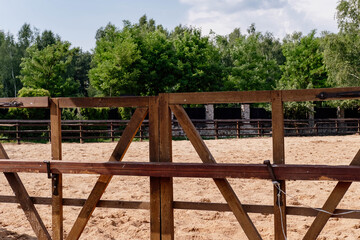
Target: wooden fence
x: 97, y: 130
x: 161, y: 170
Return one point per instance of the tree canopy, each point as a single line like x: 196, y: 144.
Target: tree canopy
x: 145, y: 59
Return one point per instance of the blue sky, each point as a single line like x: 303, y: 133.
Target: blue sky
x: 77, y: 20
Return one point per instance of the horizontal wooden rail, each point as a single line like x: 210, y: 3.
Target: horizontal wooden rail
x: 182, y: 205
x: 104, y: 102
x: 193, y: 170
x: 257, y: 96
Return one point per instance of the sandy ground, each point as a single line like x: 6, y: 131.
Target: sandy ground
x: 134, y: 224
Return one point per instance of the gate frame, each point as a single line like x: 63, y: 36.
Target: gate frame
x: 161, y: 188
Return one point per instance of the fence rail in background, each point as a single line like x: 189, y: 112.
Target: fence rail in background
x: 95, y: 130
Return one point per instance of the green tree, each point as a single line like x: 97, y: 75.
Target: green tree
x: 304, y: 67
x: 255, y: 62
x: 8, y: 65
x: 342, y: 50
x: 50, y: 69
x: 80, y: 68
x: 348, y: 15
x: 199, y: 62
x: 114, y: 59
x: 46, y: 38
x: 157, y: 65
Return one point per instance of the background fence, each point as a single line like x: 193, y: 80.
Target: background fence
x: 100, y: 130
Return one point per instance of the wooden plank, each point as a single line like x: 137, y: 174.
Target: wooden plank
x: 104, y: 102
x: 181, y: 205
x: 56, y: 154
x: 255, y: 96
x: 223, y: 185
x: 190, y: 170
x: 27, y: 102
x: 165, y: 155
x: 278, y: 158
x: 220, y: 97
x: 310, y: 94
x: 330, y: 205
x: 25, y: 202
x: 155, y: 186
x: 103, y: 181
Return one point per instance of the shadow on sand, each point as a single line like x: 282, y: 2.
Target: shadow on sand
x: 9, y: 235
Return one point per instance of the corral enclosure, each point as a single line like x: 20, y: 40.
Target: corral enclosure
x: 169, y: 198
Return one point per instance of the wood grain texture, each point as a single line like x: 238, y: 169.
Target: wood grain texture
x: 104, y: 180
x: 104, y: 102
x: 223, y: 185
x: 56, y: 154
x: 257, y: 96
x: 23, y: 198
x: 330, y: 205
x: 155, y: 186
x: 181, y: 205
x: 190, y: 170
x: 278, y: 158
x: 165, y: 155
x: 220, y: 97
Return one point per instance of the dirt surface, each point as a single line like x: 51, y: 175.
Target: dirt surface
x: 134, y: 224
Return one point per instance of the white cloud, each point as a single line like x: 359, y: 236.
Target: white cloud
x: 277, y: 16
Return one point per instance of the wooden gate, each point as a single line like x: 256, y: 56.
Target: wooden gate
x: 161, y: 170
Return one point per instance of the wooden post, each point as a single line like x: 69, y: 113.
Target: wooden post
x: 49, y: 132
x: 237, y: 129
x: 165, y: 155
x: 278, y: 158
x: 56, y: 154
x: 155, y: 187
x: 216, y: 129
x: 112, y: 131
x: 81, y: 132
x: 17, y: 133
x: 336, y: 126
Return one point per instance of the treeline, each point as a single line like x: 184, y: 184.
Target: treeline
x: 145, y: 59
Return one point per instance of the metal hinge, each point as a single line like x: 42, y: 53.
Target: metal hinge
x: 54, y: 178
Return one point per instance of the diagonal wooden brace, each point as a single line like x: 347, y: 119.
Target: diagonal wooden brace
x: 330, y: 205
x: 104, y: 180
x: 223, y: 185
x: 25, y: 202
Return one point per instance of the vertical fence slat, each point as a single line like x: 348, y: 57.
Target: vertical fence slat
x: 165, y: 154
x: 278, y: 158
x: 155, y: 189
x: 56, y: 154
